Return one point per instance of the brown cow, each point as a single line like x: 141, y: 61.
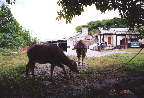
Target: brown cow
x: 42, y: 53
x: 81, y: 49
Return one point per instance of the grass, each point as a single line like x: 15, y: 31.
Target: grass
x: 12, y: 80
x: 11, y: 61
x: 132, y: 50
x: 114, y: 60
x: 114, y: 65
x: 14, y: 84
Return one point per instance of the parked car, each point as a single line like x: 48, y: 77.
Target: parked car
x: 134, y: 44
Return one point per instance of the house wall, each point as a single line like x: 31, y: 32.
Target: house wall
x: 70, y: 43
x: 82, y: 36
x: 100, y: 40
x: 118, y: 39
x: 106, y: 39
x: 113, y: 39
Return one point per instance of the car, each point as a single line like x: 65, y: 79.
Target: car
x: 134, y: 44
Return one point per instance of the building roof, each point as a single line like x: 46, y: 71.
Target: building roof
x: 105, y: 32
x: 119, y: 29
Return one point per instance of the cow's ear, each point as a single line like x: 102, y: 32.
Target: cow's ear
x: 72, y: 61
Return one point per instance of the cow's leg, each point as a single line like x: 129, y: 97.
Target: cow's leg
x: 78, y: 55
x: 62, y: 66
x: 78, y: 60
x: 28, y: 66
x: 83, y: 60
x: 52, y: 68
x: 83, y: 56
x: 32, y: 68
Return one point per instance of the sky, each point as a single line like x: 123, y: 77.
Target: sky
x: 39, y: 16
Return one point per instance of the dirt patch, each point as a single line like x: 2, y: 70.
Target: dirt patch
x: 89, y: 84
x: 23, y: 50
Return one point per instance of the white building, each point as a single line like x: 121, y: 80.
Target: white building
x: 117, y: 36
x: 90, y: 39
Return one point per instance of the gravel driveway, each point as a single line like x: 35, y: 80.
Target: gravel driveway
x: 91, y: 53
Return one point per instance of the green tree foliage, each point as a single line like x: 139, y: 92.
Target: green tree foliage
x: 12, y: 34
x: 130, y: 10
x: 106, y: 24
x: 141, y: 30
x: 78, y: 29
x: 94, y: 31
x: 10, y: 1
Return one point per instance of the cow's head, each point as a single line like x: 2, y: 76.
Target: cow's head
x: 73, y: 66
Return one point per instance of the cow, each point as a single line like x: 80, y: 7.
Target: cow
x: 81, y: 50
x: 42, y: 53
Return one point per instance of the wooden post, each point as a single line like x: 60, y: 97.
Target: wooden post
x: 100, y: 38
x: 57, y: 44
x: 103, y: 38
x: 116, y: 40
x: 125, y: 42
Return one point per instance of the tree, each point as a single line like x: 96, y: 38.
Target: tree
x: 141, y: 30
x: 106, y: 24
x: 10, y: 1
x: 130, y: 10
x: 94, y: 31
x: 78, y: 29
x: 12, y: 34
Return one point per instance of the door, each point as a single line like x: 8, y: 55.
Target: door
x: 109, y: 40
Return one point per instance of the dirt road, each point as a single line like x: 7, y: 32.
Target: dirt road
x: 91, y: 53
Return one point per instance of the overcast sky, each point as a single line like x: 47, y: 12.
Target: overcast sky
x: 39, y: 16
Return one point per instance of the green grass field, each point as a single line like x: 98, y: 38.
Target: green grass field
x: 14, y: 84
